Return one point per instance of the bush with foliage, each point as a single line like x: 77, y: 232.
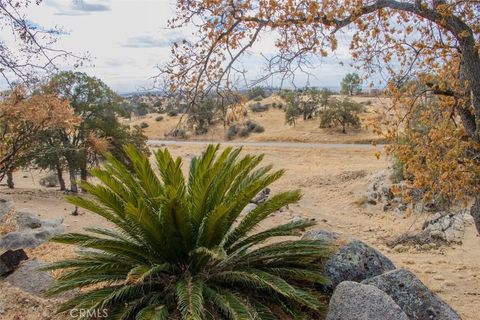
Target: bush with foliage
x: 324, y: 99
x: 159, y: 118
x: 232, y: 131
x: 257, y: 93
x: 144, y: 125
x: 398, y: 171
x: 244, y: 132
x: 308, y: 102
x: 341, y: 113
x: 204, y: 113
x: 351, y: 84
x: 179, y: 133
x: 252, y: 126
x: 258, y: 107
x: 49, y: 181
x: 180, y: 249
x: 172, y: 113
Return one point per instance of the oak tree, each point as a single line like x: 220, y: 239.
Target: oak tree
x: 351, y: 84
x: 23, y: 119
x: 434, y: 42
x: 99, y: 129
x: 342, y: 113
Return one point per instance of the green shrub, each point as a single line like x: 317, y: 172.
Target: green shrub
x: 259, y: 129
x: 49, y: 181
x: 254, y: 127
x: 258, y: 107
x: 180, y: 248
x: 398, y: 173
x: 341, y: 113
x: 256, y: 92
x: 258, y: 99
x: 232, y: 131
x: 159, y: 118
x: 177, y: 133
x: 144, y: 125
x: 172, y: 113
x: 244, y: 132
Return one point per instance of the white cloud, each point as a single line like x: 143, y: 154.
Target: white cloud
x: 128, y: 39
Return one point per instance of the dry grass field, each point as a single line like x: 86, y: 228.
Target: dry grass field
x: 276, y: 129
x: 332, y: 178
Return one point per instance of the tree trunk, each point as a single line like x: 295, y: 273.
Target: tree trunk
x: 475, y: 213
x: 61, y: 181
x: 83, y: 173
x: 10, y: 183
x: 73, y: 179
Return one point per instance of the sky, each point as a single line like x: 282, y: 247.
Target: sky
x: 126, y: 40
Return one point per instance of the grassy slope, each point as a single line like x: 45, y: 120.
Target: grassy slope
x: 275, y: 127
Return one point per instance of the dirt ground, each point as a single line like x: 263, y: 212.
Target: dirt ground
x: 332, y: 181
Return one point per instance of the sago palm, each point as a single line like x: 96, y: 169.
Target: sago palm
x: 180, y: 249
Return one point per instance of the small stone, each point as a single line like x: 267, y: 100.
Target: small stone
x: 6, y: 204
x: 324, y: 235
x: 10, y: 260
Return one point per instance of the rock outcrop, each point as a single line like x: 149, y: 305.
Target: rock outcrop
x: 6, y: 205
x: 32, y: 231
x: 449, y: 227
x: 413, y: 297
x: 356, y: 261
x: 28, y: 278
x: 323, y: 235
x: 357, y: 301
x: 378, y: 189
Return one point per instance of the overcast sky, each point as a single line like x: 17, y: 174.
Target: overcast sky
x: 127, y: 39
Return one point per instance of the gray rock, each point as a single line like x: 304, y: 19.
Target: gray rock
x: 6, y: 204
x: 378, y: 188
x: 17, y: 240
x: 324, y: 235
x: 29, y: 279
x: 10, y: 260
x: 449, y: 227
x: 32, y: 232
x: 356, y: 301
x: 27, y: 220
x: 356, y: 261
x: 415, y: 299
x: 248, y: 208
x: 261, y: 197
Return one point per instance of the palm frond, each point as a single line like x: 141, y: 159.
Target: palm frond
x: 179, y: 248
